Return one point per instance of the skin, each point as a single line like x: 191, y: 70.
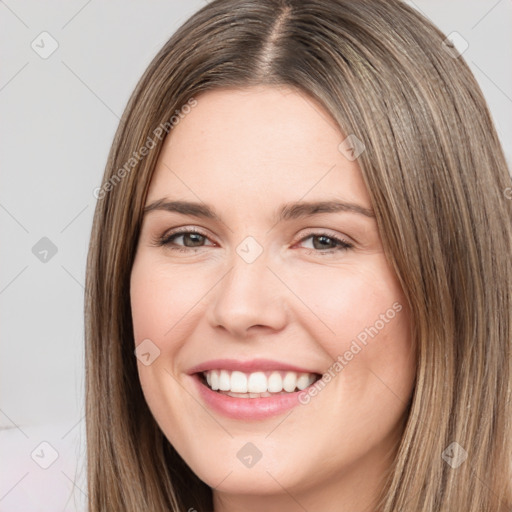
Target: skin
x: 246, y: 152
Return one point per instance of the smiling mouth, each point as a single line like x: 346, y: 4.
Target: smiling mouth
x: 259, y: 384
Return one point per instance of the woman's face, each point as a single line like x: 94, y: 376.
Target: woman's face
x: 260, y: 268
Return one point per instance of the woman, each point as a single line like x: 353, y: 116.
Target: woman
x: 303, y: 235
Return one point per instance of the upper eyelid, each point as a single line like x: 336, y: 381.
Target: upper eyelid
x: 184, y: 231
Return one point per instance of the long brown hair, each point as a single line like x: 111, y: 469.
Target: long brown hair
x: 436, y: 175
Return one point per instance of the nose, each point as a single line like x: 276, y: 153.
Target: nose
x: 249, y: 299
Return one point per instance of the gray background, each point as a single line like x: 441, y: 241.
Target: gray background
x: 58, y: 117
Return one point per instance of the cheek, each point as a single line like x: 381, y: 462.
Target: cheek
x: 161, y: 298
x: 165, y: 304
x: 161, y: 301
x: 349, y: 303
x: 156, y: 308
x: 361, y: 320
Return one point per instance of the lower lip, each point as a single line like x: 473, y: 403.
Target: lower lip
x: 246, y: 408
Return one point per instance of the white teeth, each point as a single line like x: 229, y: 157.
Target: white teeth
x: 214, y: 379
x: 290, y: 382
x: 275, y: 382
x: 257, y: 384
x: 304, y: 381
x: 238, y: 382
x: 224, y: 381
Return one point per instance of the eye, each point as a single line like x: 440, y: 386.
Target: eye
x: 190, y: 239
x: 183, y: 240
x: 324, y: 243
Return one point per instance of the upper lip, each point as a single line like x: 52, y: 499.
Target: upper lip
x: 248, y: 366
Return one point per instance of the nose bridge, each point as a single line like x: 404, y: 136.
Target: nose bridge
x: 249, y: 293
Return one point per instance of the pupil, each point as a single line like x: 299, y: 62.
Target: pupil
x: 324, y: 239
x: 195, y: 238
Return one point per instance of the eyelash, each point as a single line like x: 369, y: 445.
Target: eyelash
x: 165, y: 240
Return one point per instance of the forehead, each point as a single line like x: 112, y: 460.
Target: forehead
x: 263, y: 144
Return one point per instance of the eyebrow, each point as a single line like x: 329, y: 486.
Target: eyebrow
x: 287, y: 211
